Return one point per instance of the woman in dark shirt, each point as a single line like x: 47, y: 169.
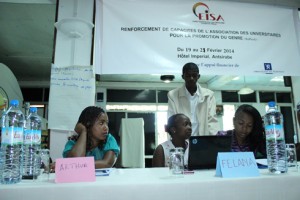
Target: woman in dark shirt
x: 248, y: 133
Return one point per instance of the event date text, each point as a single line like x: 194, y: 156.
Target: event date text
x: 205, y: 50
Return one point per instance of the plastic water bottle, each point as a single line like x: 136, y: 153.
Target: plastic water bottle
x: 11, y: 152
x: 2, y: 113
x: 32, y: 143
x: 275, y: 141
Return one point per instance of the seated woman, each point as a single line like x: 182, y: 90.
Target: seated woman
x: 180, y: 129
x: 93, y: 139
x: 248, y: 133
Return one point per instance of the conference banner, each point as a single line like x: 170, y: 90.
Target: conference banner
x: 222, y: 38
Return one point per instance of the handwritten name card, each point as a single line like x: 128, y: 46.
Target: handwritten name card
x: 236, y: 164
x: 81, y: 169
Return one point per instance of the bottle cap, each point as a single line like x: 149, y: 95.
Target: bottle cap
x: 14, y: 102
x: 271, y: 104
x: 32, y: 109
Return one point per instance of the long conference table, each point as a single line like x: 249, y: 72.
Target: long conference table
x: 157, y: 184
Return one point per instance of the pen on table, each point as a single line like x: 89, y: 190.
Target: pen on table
x: 103, y: 170
x: 188, y: 172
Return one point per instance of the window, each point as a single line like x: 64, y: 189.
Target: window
x: 230, y: 96
x: 136, y: 96
x: 35, y: 94
x: 162, y: 96
x: 32, y: 94
x: 248, y: 97
x: 227, y: 118
x: 288, y: 123
x: 114, y: 123
x: 162, y: 120
x: 283, y: 97
x: 266, y: 96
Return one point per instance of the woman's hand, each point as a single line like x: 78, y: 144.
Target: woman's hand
x: 79, y: 128
x: 52, y: 167
x: 79, y: 149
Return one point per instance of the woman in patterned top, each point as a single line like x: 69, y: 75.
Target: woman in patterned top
x: 180, y: 129
x: 93, y: 139
x: 248, y: 133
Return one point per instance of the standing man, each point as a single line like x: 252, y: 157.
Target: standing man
x: 198, y: 103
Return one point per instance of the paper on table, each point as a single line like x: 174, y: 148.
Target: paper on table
x: 262, y: 163
x: 236, y: 164
x: 103, y: 172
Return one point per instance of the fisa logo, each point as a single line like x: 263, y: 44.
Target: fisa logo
x: 268, y: 66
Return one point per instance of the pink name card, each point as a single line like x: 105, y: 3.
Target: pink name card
x: 80, y: 169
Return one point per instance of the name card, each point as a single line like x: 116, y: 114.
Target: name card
x: 236, y: 164
x: 80, y: 169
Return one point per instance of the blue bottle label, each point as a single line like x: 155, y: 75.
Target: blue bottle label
x: 12, y: 135
x: 274, y: 131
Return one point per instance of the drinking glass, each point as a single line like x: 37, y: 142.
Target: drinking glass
x: 43, y: 159
x: 291, y: 157
x: 176, y: 162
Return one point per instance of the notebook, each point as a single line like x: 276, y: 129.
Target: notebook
x: 203, y: 151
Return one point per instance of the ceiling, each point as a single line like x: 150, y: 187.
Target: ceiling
x: 27, y: 41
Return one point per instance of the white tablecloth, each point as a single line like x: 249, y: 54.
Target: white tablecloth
x: 156, y: 184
